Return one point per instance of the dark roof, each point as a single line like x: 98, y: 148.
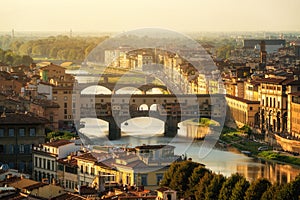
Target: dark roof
x: 87, y: 156
x: 58, y: 143
x: 37, y: 185
x: 20, y: 118
x: 153, y: 146
x: 46, y: 103
x: 295, y: 94
x: 69, y: 162
x: 162, y: 189
x: 270, y: 80
x: 68, y: 196
x: 242, y: 99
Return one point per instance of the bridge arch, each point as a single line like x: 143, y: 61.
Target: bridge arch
x: 128, y: 90
x: 95, y: 89
x: 143, y: 107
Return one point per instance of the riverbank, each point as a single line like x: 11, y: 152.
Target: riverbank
x: 241, y: 142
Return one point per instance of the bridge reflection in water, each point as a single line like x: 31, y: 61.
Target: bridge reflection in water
x: 219, y: 161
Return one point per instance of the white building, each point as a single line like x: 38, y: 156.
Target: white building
x: 45, y: 158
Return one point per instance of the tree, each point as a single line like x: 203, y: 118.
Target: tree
x: 228, y: 186
x: 238, y: 192
x: 194, y: 179
x: 179, y: 181
x: 213, y: 190
x: 272, y: 192
x: 256, y: 189
x: 202, y: 186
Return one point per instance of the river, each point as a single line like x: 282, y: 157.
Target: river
x: 147, y: 130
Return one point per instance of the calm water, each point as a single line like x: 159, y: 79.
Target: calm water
x: 147, y: 130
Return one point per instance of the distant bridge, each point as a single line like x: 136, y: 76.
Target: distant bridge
x: 118, y: 108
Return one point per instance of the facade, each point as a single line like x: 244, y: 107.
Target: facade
x: 140, y: 166
x: 273, y: 104
x: 62, y: 90
x: 46, y: 109
x: 244, y: 112
x: 18, y: 134
x: 45, y: 158
x: 294, y: 114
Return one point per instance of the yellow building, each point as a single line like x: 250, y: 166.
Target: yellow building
x: 294, y: 114
x: 242, y: 111
x: 140, y: 166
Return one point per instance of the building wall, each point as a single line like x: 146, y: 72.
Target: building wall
x: 243, y: 112
x: 17, y: 150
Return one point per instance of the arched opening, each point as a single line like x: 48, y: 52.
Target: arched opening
x: 128, y: 90
x: 154, y: 107
x: 278, y: 121
x: 142, y: 127
x: 96, y: 89
x: 156, y: 90
x: 143, y: 107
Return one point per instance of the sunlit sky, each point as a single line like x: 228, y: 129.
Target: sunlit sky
x: 124, y: 15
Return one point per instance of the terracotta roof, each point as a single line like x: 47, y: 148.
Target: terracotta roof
x: 37, y: 185
x: 295, y: 94
x: 69, y: 196
x: 242, y: 99
x: 46, y: 103
x: 20, y: 118
x: 58, y: 143
x: 23, y: 183
x: 87, y: 156
x: 153, y: 146
x: 162, y: 189
x: 69, y: 162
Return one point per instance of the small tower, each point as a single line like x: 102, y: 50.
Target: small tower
x: 13, y: 33
x: 263, y: 56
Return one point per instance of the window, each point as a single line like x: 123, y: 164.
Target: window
x: 2, y: 148
x: 81, y: 169
x: 65, y: 105
x: 54, y: 98
x: 21, y: 148
x: 65, y: 111
x: 144, y: 179
x: 11, y: 132
x: 92, y: 171
x: 251, y: 108
x: 48, y: 164
x: 158, y: 178
x: 11, y: 149
x: 21, y: 132
x: 1, y: 132
x: 32, y: 131
x: 65, y: 98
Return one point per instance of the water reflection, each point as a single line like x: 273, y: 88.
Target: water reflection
x: 219, y: 161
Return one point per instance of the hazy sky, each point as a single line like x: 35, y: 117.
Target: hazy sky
x: 124, y: 15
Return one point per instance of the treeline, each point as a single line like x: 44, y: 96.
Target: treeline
x: 59, y: 47
x: 8, y: 57
x: 192, y: 180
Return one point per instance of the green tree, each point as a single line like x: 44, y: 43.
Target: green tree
x: 202, y: 186
x: 256, y: 189
x: 238, y: 192
x: 228, y: 186
x: 272, y: 192
x: 179, y: 181
x: 194, y: 179
x: 213, y: 190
